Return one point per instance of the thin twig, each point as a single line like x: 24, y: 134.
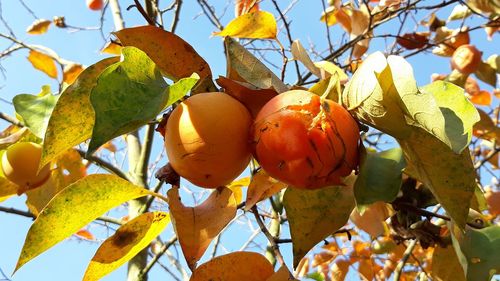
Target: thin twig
x: 11, y: 119
x: 103, y: 164
x: 404, y: 259
x: 177, y: 13
x: 155, y: 259
x: 268, y: 235
x: 210, y: 13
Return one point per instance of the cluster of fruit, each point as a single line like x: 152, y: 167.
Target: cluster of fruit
x: 297, y: 137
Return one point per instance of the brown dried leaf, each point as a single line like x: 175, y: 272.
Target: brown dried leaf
x: 322, y: 258
x: 493, y: 200
x: 197, y: 226
x: 283, y: 274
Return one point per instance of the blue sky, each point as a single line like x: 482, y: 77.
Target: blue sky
x: 68, y: 260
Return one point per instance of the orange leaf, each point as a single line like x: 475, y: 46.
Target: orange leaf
x: 302, y: 268
x: 339, y: 270
x: 485, y: 128
x: 262, y: 187
x: 283, y: 274
x: 246, y: 266
x: 481, y: 98
x: 39, y: 26
x: 493, y: 200
x: 322, y: 258
x: 83, y: 233
x: 242, y: 7
x: 253, y: 98
x: 112, y: 48
x: 71, y: 71
x: 197, y: 226
x: 174, y: 56
x: 44, y: 63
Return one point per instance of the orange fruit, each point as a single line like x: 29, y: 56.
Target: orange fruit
x: 466, y: 59
x: 304, y: 142
x: 95, y: 5
x: 20, y: 165
x: 206, y: 139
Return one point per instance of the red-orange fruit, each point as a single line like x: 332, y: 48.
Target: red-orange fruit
x: 466, y: 59
x: 95, y: 5
x: 304, y: 142
x: 206, y: 139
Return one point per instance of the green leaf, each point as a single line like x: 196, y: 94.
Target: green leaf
x: 73, y: 118
x: 456, y: 115
x: 245, y: 67
x: 128, y: 240
x: 73, y: 208
x: 313, y: 215
x: 128, y: 94
x: 380, y: 177
x: 451, y: 177
x: 477, y: 251
x: 494, y: 62
x: 445, y: 265
x: 179, y: 89
x: 35, y: 110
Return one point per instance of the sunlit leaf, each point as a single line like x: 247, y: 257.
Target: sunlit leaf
x: 459, y: 12
x: 44, y: 63
x: 372, y: 219
x: 380, y: 177
x: 494, y: 62
x: 112, y: 48
x: 332, y: 69
x: 128, y: 240
x: 85, y: 234
x: 486, y: 73
x: 242, y: 7
x: 256, y: 25
x: 245, y: 67
x: 262, y: 187
x: 39, y: 26
x: 445, y: 265
x: 73, y: 208
x: 14, y: 137
x: 71, y: 71
x: 315, y: 214
x: 7, y: 188
x: 72, y: 118
x: 35, y: 111
x: 174, y: 56
x: 128, y: 94
x: 486, y: 128
x: 481, y: 98
x: 236, y: 186
x: 300, y: 54
x: 339, y: 270
x: 197, y: 226
x: 246, y: 266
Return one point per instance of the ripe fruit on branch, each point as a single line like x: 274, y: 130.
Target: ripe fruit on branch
x: 304, y: 141
x: 95, y: 5
x: 466, y: 59
x: 20, y: 164
x: 206, y: 139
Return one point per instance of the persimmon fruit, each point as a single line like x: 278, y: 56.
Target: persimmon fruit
x: 20, y: 165
x: 95, y: 5
x: 207, y: 139
x: 305, y: 141
x: 466, y: 59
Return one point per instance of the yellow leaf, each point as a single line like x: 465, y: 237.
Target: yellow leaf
x: 302, y: 268
x: 69, y: 168
x: 445, y: 265
x: 7, y: 188
x: 44, y: 63
x: 236, y: 186
x: 73, y: 208
x: 262, y: 187
x: 72, y: 118
x: 373, y: 218
x: 313, y: 215
x: 112, y: 49
x: 71, y: 71
x: 331, y: 69
x: 39, y: 26
x: 246, y: 266
x: 129, y: 239
x: 283, y: 274
x: 197, y: 226
x: 257, y: 25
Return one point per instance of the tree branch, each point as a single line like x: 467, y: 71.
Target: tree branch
x: 404, y: 259
x: 268, y: 235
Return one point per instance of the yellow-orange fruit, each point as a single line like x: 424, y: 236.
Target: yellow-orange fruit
x: 304, y: 142
x: 20, y: 164
x: 95, y: 5
x: 206, y: 139
x: 466, y: 59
